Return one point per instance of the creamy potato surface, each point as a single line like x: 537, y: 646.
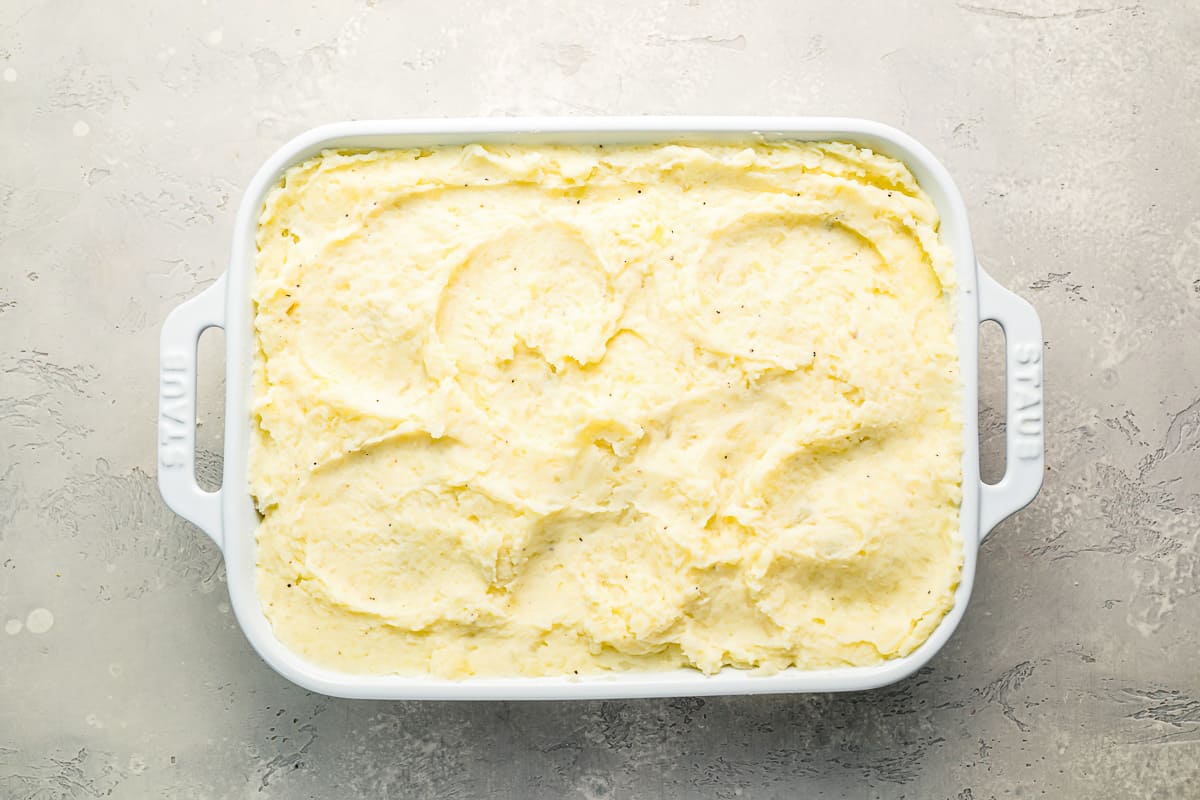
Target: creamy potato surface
x: 547, y: 410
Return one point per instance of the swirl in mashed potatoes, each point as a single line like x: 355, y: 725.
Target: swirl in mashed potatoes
x: 546, y: 410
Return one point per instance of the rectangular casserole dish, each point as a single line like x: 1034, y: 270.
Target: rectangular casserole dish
x: 230, y: 518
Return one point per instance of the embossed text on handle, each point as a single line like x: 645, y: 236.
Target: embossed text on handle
x: 1026, y: 414
x: 174, y: 426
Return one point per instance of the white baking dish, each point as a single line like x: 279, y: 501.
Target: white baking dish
x: 229, y: 515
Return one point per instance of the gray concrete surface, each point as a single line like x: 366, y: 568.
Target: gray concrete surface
x: 127, y: 131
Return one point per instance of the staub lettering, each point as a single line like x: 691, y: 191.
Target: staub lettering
x: 174, y: 428
x: 1025, y: 400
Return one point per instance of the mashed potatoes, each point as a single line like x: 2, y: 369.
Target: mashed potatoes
x: 573, y: 409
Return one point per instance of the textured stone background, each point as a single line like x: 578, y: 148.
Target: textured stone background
x: 127, y: 131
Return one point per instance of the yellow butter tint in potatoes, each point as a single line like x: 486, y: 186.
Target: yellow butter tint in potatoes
x: 546, y: 410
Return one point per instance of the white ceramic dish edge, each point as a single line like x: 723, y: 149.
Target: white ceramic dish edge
x: 229, y: 517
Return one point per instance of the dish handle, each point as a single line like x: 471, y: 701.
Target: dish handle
x: 1025, y: 456
x: 177, y: 409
